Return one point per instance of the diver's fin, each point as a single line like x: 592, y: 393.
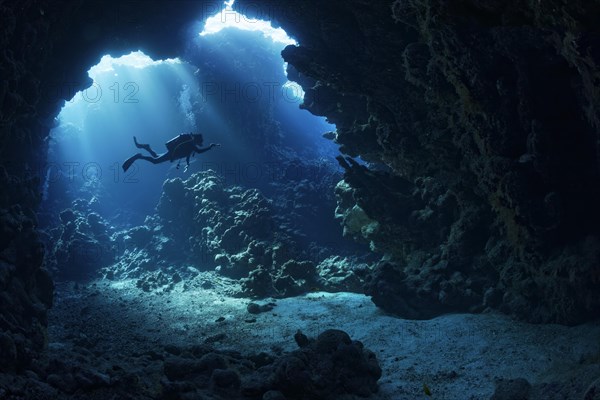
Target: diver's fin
x: 130, y: 161
x: 145, y: 147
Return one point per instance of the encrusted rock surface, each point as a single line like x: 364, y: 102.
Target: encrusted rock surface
x: 26, y: 288
x: 480, y: 120
x: 329, y: 366
x: 206, y: 224
x: 80, y: 245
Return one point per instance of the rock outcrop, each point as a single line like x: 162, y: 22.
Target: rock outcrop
x: 80, y: 245
x: 490, y: 109
x: 206, y: 224
x: 26, y: 288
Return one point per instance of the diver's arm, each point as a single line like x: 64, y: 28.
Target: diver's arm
x: 201, y: 150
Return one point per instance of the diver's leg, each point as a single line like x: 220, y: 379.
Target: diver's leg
x: 145, y: 147
x: 156, y: 160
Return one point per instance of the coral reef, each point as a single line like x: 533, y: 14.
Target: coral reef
x: 205, y: 224
x: 343, y: 274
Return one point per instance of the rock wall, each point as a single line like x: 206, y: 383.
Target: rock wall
x: 485, y: 116
x: 47, y: 47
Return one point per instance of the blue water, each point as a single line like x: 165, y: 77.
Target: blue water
x: 231, y: 87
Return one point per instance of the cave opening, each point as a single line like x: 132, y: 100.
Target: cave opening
x: 180, y: 251
x: 231, y: 85
x: 135, y: 95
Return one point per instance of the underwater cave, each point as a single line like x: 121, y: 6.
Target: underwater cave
x: 301, y: 200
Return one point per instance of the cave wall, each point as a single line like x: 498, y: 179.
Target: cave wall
x: 46, y: 49
x: 485, y: 115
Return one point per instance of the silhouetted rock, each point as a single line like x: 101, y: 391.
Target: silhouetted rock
x: 81, y: 245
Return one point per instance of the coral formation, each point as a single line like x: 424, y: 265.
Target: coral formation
x: 479, y: 121
x: 205, y: 224
x: 80, y: 245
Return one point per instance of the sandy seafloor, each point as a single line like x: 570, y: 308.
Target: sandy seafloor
x: 458, y: 356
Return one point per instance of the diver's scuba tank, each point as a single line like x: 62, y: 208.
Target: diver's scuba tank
x: 178, y: 141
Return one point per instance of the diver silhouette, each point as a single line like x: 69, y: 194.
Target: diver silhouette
x: 182, y: 146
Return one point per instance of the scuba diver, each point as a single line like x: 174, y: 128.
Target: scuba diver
x: 184, y: 145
